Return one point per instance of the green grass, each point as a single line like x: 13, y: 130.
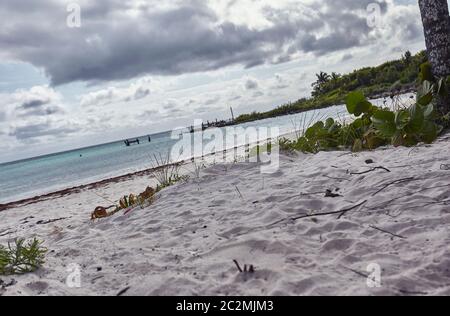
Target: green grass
x: 21, y: 257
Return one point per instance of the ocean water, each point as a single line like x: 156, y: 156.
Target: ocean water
x: 46, y: 174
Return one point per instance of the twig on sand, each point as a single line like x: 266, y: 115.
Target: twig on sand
x: 358, y: 273
x: 383, y: 204
x: 51, y: 221
x: 341, y: 212
x: 443, y: 202
x: 344, y: 212
x: 394, y: 182
x: 240, y: 194
x: 371, y: 170
x: 7, y: 233
x: 387, y: 232
x: 406, y: 292
x: 122, y: 292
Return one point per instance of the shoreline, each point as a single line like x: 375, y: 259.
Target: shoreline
x: 116, y: 179
x: 75, y: 189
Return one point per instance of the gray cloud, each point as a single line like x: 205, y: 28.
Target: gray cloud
x: 141, y: 93
x: 34, y: 104
x: 184, y: 38
x: 41, y: 111
x: 39, y: 130
x: 251, y: 84
x: 347, y: 57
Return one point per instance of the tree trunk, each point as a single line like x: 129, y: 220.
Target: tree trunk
x: 436, y: 25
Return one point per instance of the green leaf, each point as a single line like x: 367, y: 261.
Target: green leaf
x: 402, y: 119
x: 329, y: 123
x: 425, y: 93
x: 357, y: 103
x: 429, y: 132
x: 335, y: 128
x: 384, y: 123
x: 417, y: 119
x: 315, y: 130
x: 428, y: 112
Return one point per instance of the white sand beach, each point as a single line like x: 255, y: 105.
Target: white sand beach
x: 185, y: 243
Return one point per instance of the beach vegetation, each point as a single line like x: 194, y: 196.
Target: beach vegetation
x: 375, y: 126
x: 165, y: 172
x: 22, y: 256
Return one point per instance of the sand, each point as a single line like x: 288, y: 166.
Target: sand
x: 301, y: 239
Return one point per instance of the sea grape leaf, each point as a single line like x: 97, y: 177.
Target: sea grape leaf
x: 425, y: 93
x: 384, y: 123
x: 357, y: 103
x: 417, y: 118
x: 329, y: 123
x: 402, y: 119
x: 428, y: 111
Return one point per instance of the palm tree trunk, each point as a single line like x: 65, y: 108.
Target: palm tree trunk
x: 436, y: 25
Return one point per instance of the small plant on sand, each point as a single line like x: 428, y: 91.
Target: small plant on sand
x: 197, y: 168
x: 21, y: 257
x: 166, y: 172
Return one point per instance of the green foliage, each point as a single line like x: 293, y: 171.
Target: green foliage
x: 165, y: 172
x: 171, y: 180
x: 374, y: 126
x: 357, y: 103
x: 21, y: 257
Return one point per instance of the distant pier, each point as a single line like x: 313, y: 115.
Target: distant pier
x: 129, y: 142
x: 216, y: 124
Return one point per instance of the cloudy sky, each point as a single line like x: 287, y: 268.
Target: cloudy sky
x: 134, y: 67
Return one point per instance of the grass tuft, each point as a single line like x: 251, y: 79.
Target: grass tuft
x: 22, y: 257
